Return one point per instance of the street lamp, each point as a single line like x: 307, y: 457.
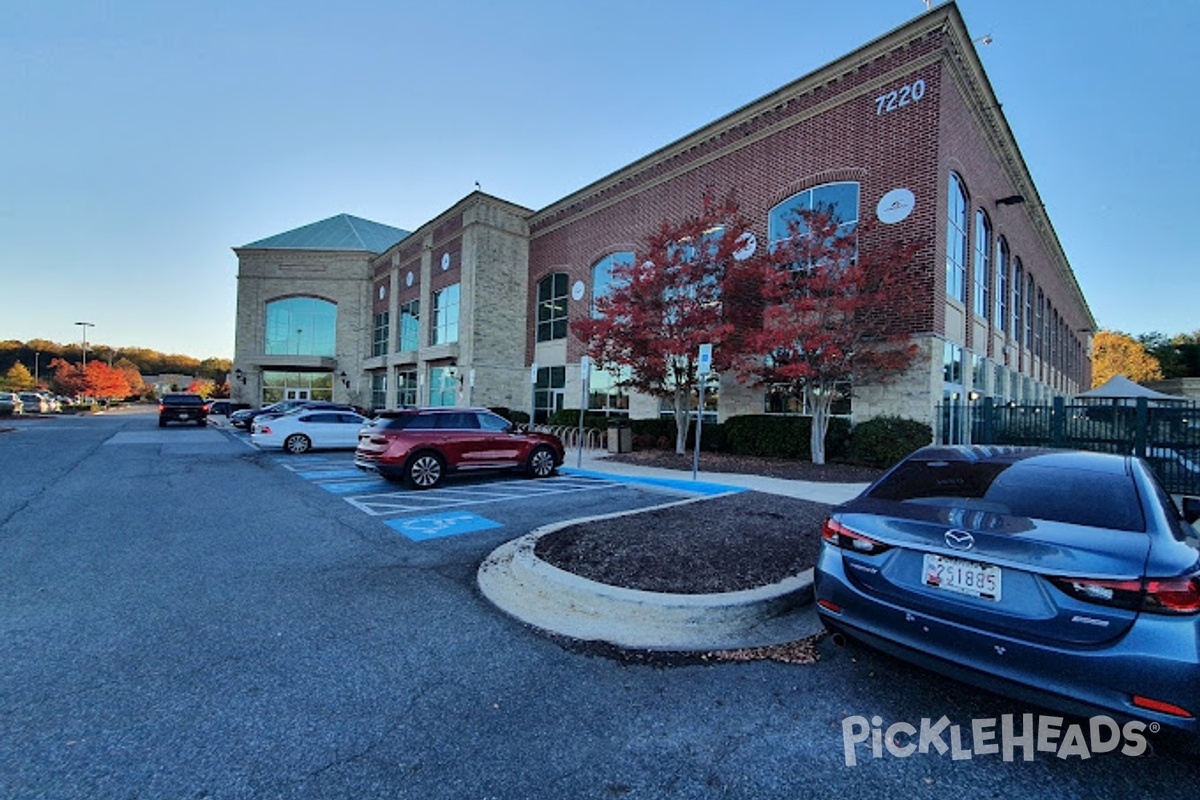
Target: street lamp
x: 85, y: 326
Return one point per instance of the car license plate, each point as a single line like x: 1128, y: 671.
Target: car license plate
x: 961, y: 576
x: 183, y: 415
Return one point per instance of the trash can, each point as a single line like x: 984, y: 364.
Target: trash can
x: 620, y: 437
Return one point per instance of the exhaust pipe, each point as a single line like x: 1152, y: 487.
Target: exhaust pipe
x: 839, y: 639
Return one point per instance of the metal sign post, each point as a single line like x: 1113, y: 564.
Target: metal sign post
x: 532, y: 393
x: 584, y: 375
x: 703, y: 367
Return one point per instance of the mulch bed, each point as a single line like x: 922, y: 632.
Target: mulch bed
x: 722, y: 544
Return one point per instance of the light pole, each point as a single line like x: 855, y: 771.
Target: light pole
x: 37, y: 359
x: 85, y: 326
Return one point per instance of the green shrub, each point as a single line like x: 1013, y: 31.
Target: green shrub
x: 883, y: 441
x: 511, y: 414
x: 777, y: 436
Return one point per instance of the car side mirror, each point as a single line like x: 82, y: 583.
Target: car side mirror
x: 1191, y: 509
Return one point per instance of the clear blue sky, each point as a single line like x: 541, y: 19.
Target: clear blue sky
x: 140, y: 141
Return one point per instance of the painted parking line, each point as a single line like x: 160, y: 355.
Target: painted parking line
x: 409, y: 501
x: 684, y: 485
x: 435, y: 526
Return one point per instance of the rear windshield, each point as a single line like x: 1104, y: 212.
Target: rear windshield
x: 1023, y: 489
x: 183, y: 400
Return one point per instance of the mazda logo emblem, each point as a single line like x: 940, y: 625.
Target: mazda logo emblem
x: 960, y: 540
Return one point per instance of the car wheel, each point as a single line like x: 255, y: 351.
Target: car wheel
x: 541, y: 463
x: 425, y: 471
x: 297, y: 443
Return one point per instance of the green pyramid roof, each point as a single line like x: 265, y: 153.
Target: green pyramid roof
x: 342, y: 232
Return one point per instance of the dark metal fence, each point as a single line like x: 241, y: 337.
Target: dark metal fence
x: 1167, y: 436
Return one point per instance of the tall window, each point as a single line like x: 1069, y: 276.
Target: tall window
x: 552, y: 307
x: 378, y: 390
x: 953, y: 427
x: 549, y: 393
x: 406, y: 387
x: 983, y: 264
x: 379, y: 339
x: 839, y: 199
x: 1029, y: 287
x: 1002, y: 269
x: 445, y: 315
x: 1038, y: 324
x: 410, y: 326
x: 956, y: 240
x: 443, y: 386
x: 1018, y: 293
x: 301, y: 326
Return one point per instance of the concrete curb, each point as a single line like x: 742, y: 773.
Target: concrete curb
x: 539, y: 594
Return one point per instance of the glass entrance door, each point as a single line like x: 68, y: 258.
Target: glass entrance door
x: 297, y: 394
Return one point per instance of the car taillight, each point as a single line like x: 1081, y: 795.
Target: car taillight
x: 839, y: 535
x: 1156, y: 595
x: 1173, y: 595
x: 264, y: 428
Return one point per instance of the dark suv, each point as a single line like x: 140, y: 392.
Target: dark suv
x: 423, y: 445
x: 182, y: 408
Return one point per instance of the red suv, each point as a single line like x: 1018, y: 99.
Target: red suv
x: 423, y: 445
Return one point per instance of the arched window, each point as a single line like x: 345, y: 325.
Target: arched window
x: 1029, y: 289
x: 602, y: 274
x: 839, y: 199
x: 301, y: 326
x: 1018, y: 299
x: 983, y: 264
x: 1002, y: 269
x: 552, y: 307
x: 956, y: 240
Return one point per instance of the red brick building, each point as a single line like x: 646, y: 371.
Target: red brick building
x: 475, y: 305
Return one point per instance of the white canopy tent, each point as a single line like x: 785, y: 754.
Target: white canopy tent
x: 1118, y: 387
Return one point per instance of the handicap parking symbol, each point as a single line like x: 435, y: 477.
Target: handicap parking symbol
x: 435, y: 526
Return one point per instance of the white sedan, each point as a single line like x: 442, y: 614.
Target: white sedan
x: 309, y: 430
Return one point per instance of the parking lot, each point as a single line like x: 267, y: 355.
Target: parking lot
x: 184, y: 616
x: 458, y: 506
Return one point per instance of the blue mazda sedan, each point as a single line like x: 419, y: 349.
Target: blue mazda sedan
x: 1067, y: 579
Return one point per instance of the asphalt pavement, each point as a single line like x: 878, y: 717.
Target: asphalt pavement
x: 182, y: 616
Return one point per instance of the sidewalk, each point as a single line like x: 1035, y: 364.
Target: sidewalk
x: 597, y: 462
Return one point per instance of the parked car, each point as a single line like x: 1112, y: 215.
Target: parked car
x: 219, y: 406
x: 309, y: 429
x: 312, y: 405
x: 10, y: 403
x: 1062, y: 578
x: 34, y: 403
x: 243, y: 417
x: 181, y: 407
x: 423, y: 445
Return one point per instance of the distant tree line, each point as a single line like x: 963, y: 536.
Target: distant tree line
x: 147, y: 362
x: 111, y: 372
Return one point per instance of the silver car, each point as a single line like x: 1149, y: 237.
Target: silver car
x: 10, y: 403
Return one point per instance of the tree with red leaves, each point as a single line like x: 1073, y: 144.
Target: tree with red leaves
x: 68, y: 378
x: 831, y: 314
x: 664, y: 304
x: 106, y: 382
